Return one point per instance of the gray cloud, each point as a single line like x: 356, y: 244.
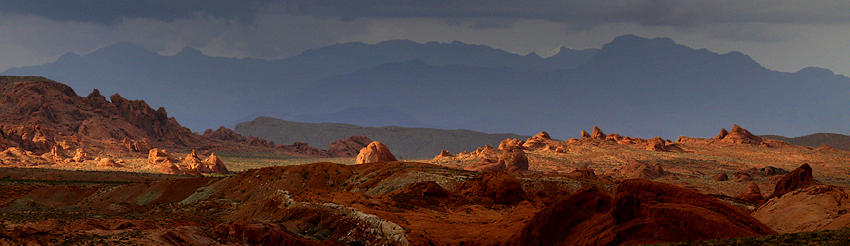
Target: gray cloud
x: 583, y: 13
x: 483, y: 13
x: 113, y: 11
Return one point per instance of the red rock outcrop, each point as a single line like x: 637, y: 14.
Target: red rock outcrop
x: 597, y: 133
x: 511, y: 143
x: 641, y: 212
x: 514, y: 159
x: 639, y: 169
x: 80, y: 156
x: 444, y: 154
x: 375, y: 152
x: 107, y: 162
x: 816, y: 207
x: 215, y: 165
x: 585, y: 135
x: 304, y: 148
x: 722, y: 134
x: 721, y: 177
x: 257, y: 233
x: 739, y: 135
x: 494, y: 187
x: 349, y: 147
x: 742, y: 176
x: 583, y: 173
x: 193, y: 162
x: 752, y: 194
x: 827, y: 148
x: 225, y: 134
x: 799, y: 178
x: 539, y: 141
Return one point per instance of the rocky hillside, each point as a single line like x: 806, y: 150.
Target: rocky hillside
x: 410, y: 143
x: 43, y: 122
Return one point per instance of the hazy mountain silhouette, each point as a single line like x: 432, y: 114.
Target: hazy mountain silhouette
x: 205, y: 92
x: 407, y: 142
x: 838, y: 141
x: 648, y: 87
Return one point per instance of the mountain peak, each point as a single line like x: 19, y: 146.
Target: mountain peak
x: 70, y: 56
x: 636, y: 41
x: 189, y: 51
x: 122, y: 49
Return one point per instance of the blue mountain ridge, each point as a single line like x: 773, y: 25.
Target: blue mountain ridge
x: 633, y: 85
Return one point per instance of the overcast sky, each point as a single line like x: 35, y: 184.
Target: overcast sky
x: 781, y: 35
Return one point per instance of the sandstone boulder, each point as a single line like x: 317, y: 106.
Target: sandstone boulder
x: 215, y: 165
x: 752, y: 194
x: 538, y: 141
x: 721, y: 177
x: 193, y: 162
x: 816, y: 207
x: 375, y: 152
x: 510, y: 143
x: 742, y: 176
x: 796, y: 179
x: 80, y: 156
x: 488, y: 154
x: 639, y: 169
x: 107, y: 162
x: 444, y: 154
x: 514, y: 159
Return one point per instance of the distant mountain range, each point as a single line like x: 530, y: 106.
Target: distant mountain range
x: 634, y: 86
x: 409, y: 143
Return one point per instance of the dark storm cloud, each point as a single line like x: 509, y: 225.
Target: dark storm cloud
x: 583, y: 13
x: 111, y: 11
x: 483, y: 13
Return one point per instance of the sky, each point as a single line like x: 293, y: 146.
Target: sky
x: 783, y: 35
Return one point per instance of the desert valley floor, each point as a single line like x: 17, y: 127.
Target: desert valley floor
x: 90, y: 171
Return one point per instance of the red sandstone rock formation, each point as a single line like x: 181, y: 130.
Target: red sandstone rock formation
x: 752, y: 194
x: 797, y: 179
x: 639, y: 169
x: 641, y: 212
x: 444, y: 154
x: 514, y: 159
x: 721, y: 177
x: 375, y: 152
x: 494, y: 187
x: 349, y: 147
x: 597, y: 133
